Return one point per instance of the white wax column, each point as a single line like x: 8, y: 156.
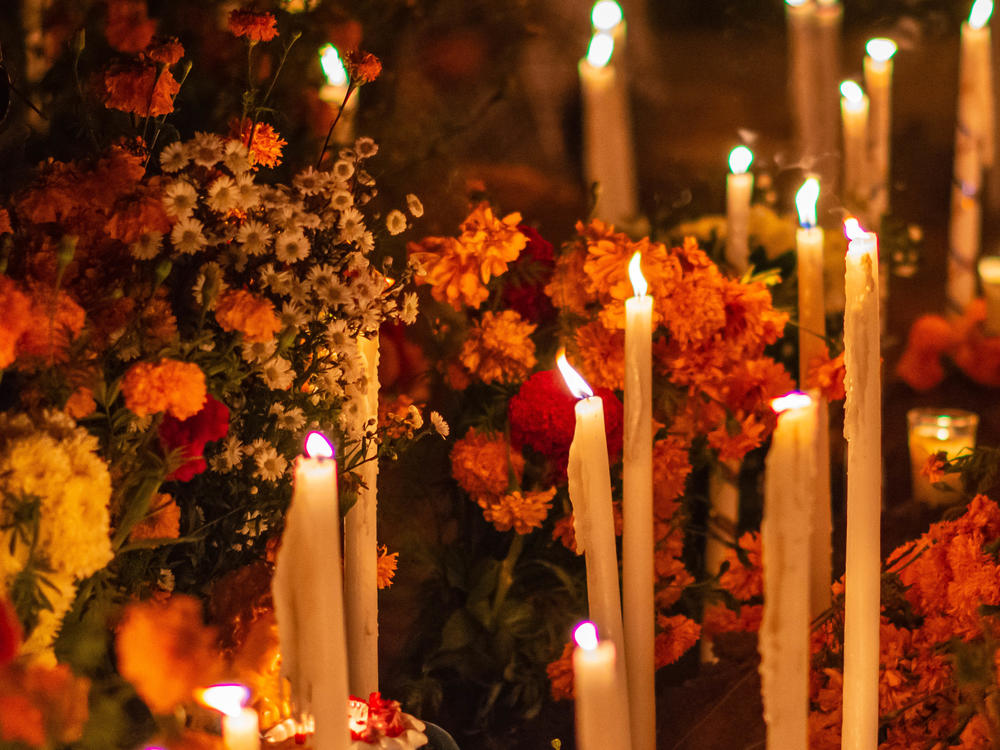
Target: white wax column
x: 828, y: 25
x: 812, y: 310
x: 241, y: 731
x: 724, y: 512
x: 739, y: 191
x: 789, y: 485
x: 989, y: 274
x: 607, y: 138
x: 854, y: 111
x: 802, y: 74
x: 637, y: 532
x: 863, y: 431
x: 976, y: 105
x: 601, y: 713
x: 361, y: 547
x: 309, y: 604
x: 878, y: 82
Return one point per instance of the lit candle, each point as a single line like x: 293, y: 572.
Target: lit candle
x: 854, y: 110
x: 989, y: 275
x: 637, y: 531
x: 739, y: 190
x: 240, y: 727
x: 308, y: 597
x: 335, y: 90
x: 878, y: 82
x: 931, y: 431
x: 863, y: 431
x: 789, y: 486
x: 802, y: 74
x: 812, y: 337
x: 590, y: 494
x: 606, y: 16
x: 607, y: 141
x: 361, y: 545
x: 601, y: 713
x: 973, y: 149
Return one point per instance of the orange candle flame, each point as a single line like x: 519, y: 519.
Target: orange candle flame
x: 317, y: 446
x: 585, y: 636
x: 793, y: 400
x: 574, y: 381
x: 639, y: 285
x: 226, y: 698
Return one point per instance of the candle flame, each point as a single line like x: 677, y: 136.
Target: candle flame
x: 793, y: 400
x: 796, y: 3
x: 880, y: 49
x: 639, y: 285
x: 602, y: 45
x: 740, y: 159
x: 605, y: 15
x: 227, y: 698
x: 980, y: 14
x: 989, y: 269
x: 805, y: 202
x: 853, y: 229
x: 317, y: 446
x: 574, y: 381
x: 851, y: 91
x: 943, y: 433
x: 333, y: 66
x: 585, y: 636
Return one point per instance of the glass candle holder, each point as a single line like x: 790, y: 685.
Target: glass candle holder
x: 932, y: 431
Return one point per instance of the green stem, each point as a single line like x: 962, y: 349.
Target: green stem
x: 329, y: 133
x: 505, y: 578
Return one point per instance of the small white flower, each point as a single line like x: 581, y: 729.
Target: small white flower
x: 174, y: 157
x: 395, y: 222
x: 336, y: 335
x: 298, y: 290
x: 276, y: 281
x: 208, y: 285
x: 410, y: 308
x: 257, y: 444
x: 414, y: 205
x: 292, y: 315
x: 166, y: 580
x: 343, y: 170
x: 248, y: 192
x: 308, y: 181
x: 291, y: 246
x: 341, y: 200
x: 347, y: 154
x: 414, y: 417
x: 188, y: 236
x: 147, y: 246
x: 365, y: 147
x: 270, y: 465
x: 231, y: 455
x: 253, y: 237
x: 258, y: 351
x: 440, y: 426
x: 367, y: 242
x: 180, y: 198
x: 351, y: 225
x: 222, y: 195
x: 205, y: 149
x: 289, y: 420
x: 278, y: 374
x: 236, y: 157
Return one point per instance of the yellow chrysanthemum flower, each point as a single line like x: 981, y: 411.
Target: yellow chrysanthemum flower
x: 522, y: 511
x: 499, y: 348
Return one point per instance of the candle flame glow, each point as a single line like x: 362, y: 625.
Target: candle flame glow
x: 989, y: 269
x: 740, y: 159
x: 880, y: 49
x: 793, y: 400
x: 943, y: 433
x: 317, y: 446
x: 333, y: 66
x: 805, y: 202
x: 980, y: 14
x: 605, y: 15
x: 602, y: 45
x: 227, y: 698
x: 796, y: 3
x: 852, y: 92
x: 853, y: 229
x: 574, y: 381
x: 639, y: 285
x: 585, y: 636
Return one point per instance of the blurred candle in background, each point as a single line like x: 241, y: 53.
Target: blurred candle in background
x: 878, y: 82
x: 854, y: 111
x: 739, y: 191
x: 989, y: 276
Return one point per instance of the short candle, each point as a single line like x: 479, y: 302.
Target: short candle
x: 932, y: 431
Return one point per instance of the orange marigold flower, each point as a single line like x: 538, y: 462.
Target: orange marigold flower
x: 362, y: 67
x: 522, y: 511
x: 930, y: 337
x: 128, y: 27
x: 827, y: 375
x: 42, y: 706
x: 744, y: 581
x: 568, y: 287
x: 177, y: 388
x: 166, y: 651
x: 166, y: 50
x: 267, y: 143
x: 162, y: 522
x: 602, y: 355
x: 243, y: 311
x: 387, y: 563
x: 564, y: 532
x: 933, y: 468
x: 482, y: 464
x: 81, y: 403
x: 17, y: 311
x: 141, y: 88
x: 671, y: 467
x: 560, y: 674
x: 55, y: 322
x: 254, y: 26
x: 5, y: 227
x: 20, y: 719
x: 499, y: 348
x: 720, y: 619
x: 136, y: 214
x: 677, y: 635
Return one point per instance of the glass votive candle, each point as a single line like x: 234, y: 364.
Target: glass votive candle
x: 932, y: 431
x: 989, y: 276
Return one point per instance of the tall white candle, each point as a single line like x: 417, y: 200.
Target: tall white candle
x: 812, y: 335
x: 802, y: 75
x: 989, y: 275
x: 361, y: 545
x: 637, y: 511
x: 309, y: 598
x: 739, y: 190
x: 601, y: 712
x: 789, y: 486
x: 607, y: 137
x: 240, y: 725
x: 863, y: 431
x: 828, y: 33
x: 606, y: 17
x: 854, y: 111
x: 878, y: 82
x: 723, y: 519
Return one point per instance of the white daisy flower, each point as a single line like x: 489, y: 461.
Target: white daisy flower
x: 147, y: 246
x: 278, y: 374
x: 231, y: 455
x: 347, y: 154
x: 188, y: 236
x: 248, y: 192
x: 270, y: 465
x: 395, y: 222
x: 291, y: 246
x: 298, y: 290
x: 292, y: 315
x: 410, y: 308
x: 166, y: 581
x: 180, y: 198
x: 253, y: 237
x: 365, y: 179
x: 289, y: 420
x: 222, y: 195
x: 367, y: 242
x: 365, y: 147
x: 236, y: 157
x: 341, y: 200
x: 331, y: 382
x: 205, y: 149
x: 174, y: 157
x: 343, y: 170
x: 415, y: 207
x: 351, y: 225
x: 440, y: 426
x: 257, y: 444
x: 308, y: 181
x: 414, y: 417
x: 257, y: 352
x: 275, y: 280
x: 336, y: 335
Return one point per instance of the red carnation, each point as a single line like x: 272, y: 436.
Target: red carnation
x: 191, y: 434
x: 10, y: 632
x: 528, y: 276
x: 542, y: 417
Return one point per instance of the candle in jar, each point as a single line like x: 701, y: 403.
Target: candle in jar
x: 739, y: 190
x: 240, y: 726
x: 334, y: 91
x: 789, y: 486
x: 878, y: 82
x: 863, y: 431
x: 600, y: 697
x: 637, y: 511
x: 932, y: 431
x: 989, y: 275
x: 607, y: 140
x: 802, y: 75
x: 854, y: 111
x: 309, y: 598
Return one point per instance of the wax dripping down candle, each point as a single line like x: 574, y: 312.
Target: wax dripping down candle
x: 739, y: 190
x: 240, y: 728
x: 601, y: 713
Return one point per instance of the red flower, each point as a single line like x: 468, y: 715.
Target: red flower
x: 128, y: 28
x: 140, y: 88
x: 529, y: 274
x: 10, y: 632
x: 256, y: 27
x: 191, y: 434
x: 542, y: 417
x: 166, y: 50
x: 363, y: 67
